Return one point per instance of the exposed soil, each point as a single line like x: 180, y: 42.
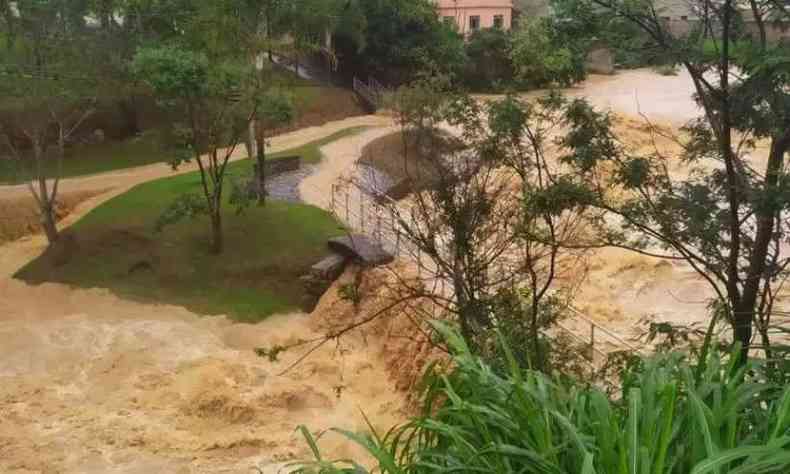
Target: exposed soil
x: 398, y: 156
x: 19, y: 217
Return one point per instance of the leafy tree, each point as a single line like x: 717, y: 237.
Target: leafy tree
x: 400, y: 38
x: 220, y: 99
x: 490, y: 227
x: 489, y: 66
x: 580, y: 22
x: 49, y: 88
x: 275, y: 109
x: 726, y: 216
x: 542, y: 57
x: 118, y: 36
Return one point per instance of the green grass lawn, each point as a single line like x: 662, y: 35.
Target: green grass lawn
x: 267, y: 249
x: 84, y: 160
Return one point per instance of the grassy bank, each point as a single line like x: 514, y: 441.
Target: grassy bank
x: 267, y: 250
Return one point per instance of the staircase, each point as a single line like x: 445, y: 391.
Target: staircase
x: 371, y: 92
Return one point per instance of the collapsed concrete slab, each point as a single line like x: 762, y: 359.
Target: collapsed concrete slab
x: 361, y: 248
x: 330, y: 267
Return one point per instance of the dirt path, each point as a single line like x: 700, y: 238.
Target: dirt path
x: 132, y: 176
x: 338, y: 165
x: 16, y: 254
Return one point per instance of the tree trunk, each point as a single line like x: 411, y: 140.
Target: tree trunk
x: 260, y: 170
x: 48, y: 221
x: 44, y: 198
x: 539, y: 362
x: 250, y: 143
x: 129, y: 109
x: 743, y: 318
x: 216, y: 231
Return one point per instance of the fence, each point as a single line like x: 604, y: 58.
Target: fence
x: 371, y: 212
x: 372, y: 91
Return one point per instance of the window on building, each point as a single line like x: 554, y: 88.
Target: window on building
x: 684, y: 18
x: 474, y: 23
x: 499, y: 21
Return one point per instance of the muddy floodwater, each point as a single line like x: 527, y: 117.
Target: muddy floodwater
x: 90, y: 383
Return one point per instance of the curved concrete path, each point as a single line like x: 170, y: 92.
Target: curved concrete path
x: 14, y: 255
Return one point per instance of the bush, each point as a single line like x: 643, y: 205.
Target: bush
x: 489, y: 67
x: 542, y: 58
x: 673, y: 417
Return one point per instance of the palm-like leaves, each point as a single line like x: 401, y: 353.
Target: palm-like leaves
x: 724, y: 420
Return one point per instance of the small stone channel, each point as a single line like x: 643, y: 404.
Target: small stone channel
x: 285, y: 187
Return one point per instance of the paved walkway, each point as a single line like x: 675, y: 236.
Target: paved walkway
x: 16, y: 254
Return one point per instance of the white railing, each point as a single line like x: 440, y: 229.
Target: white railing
x: 366, y: 93
x: 376, y: 215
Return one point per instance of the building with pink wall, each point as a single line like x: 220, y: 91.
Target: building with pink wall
x: 470, y: 15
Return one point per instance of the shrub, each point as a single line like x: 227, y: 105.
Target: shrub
x: 488, y: 68
x: 541, y: 57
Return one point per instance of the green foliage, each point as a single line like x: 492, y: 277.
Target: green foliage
x: 581, y: 22
x: 541, y: 57
x: 220, y: 99
x: 515, y: 324
x: 186, y: 206
x: 275, y: 108
x: 400, y: 38
x: 478, y: 420
x: 173, y: 72
x: 488, y: 65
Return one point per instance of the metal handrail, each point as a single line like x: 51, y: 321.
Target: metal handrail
x: 603, y: 329
x: 594, y: 326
